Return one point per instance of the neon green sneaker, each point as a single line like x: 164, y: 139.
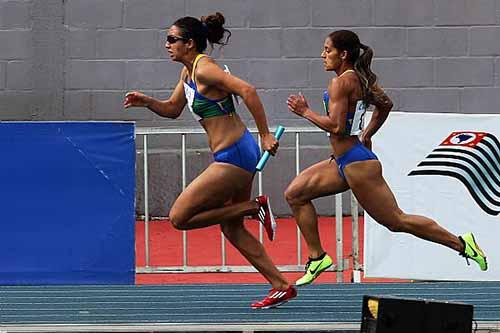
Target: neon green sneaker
x: 313, y: 269
x: 472, y: 251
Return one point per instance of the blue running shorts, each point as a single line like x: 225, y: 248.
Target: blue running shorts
x: 357, y: 153
x: 244, y: 153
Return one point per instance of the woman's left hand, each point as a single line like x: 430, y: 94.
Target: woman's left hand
x: 269, y: 143
x: 297, y: 104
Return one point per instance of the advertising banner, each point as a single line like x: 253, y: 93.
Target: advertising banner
x: 446, y: 167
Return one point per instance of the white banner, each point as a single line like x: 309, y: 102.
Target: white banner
x: 446, y: 167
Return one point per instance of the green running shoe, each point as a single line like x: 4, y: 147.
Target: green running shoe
x: 472, y: 251
x: 313, y: 269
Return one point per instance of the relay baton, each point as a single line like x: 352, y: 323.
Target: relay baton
x: 263, y: 160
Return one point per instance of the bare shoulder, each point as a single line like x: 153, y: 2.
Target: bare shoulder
x: 206, y: 61
x: 342, y: 85
x: 351, y: 80
x: 206, y: 66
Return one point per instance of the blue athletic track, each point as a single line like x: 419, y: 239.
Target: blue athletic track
x: 176, y: 308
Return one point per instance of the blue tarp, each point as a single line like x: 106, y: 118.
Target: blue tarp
x: 67, y: 197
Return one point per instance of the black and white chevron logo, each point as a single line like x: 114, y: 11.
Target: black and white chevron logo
x: 474, y: 159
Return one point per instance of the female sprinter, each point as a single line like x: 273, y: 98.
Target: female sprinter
x: 353, y: 165
x: 221, y: 193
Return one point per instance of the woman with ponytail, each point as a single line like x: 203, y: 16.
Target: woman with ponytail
x: 353, y: 165
x: 221, y: 193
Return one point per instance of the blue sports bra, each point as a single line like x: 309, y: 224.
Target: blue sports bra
x: 202, y: 107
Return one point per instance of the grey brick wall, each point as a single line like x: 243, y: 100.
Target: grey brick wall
x: 75, y: 59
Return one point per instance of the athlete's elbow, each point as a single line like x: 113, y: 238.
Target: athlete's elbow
x: 170, y: 110
x: 175, y: 113
x: 387, y: 106
x: 248, y: 92
x: 336, y: 130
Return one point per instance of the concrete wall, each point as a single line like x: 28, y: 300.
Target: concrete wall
x: 75, y: 59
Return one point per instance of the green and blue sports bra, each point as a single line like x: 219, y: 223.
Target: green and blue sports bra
x: 354, y: 120
x: 202, y: 107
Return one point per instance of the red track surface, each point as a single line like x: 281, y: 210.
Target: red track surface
x: 204, y: 249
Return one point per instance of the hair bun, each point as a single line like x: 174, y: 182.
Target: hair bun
x: 215, y: 28
x: 215, y: 20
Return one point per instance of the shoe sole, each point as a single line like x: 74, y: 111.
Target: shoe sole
x: 272, y: 306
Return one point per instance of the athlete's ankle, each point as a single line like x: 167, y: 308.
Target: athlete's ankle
x: 282, y: 285
x: 317, y: 255
x: 462, y: 246
x: 253, y: 208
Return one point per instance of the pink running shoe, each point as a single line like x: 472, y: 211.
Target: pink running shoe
x: 275, y: 298
x: 265, y: 215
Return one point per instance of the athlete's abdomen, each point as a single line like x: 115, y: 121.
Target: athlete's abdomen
x: 341, y: 144
x: 223, y: 131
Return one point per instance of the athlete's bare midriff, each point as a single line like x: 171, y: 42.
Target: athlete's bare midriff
x: 342, y: 144
x: 223, y: 131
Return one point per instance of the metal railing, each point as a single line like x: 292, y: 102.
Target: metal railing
x: 340, y: 266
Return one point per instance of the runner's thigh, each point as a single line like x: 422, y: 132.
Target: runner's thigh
x: 215, y: 186
x: 319, y: 180
x: 372, y: 191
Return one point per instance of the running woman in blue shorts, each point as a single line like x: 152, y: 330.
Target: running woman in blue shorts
x: 353, y: 165
x: 221, y: 193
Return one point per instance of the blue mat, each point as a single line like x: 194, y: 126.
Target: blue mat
x: 68, y: 189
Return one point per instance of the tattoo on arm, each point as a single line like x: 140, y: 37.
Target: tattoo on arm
x: 380, y: 98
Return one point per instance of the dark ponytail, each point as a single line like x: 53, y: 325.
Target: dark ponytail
x: 349, y: 41
x: 362, y: 66
x: 209, y: 28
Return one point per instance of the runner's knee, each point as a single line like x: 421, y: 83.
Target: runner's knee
x: 392, y: 226
x: 231, y: 229
x: 178, y: 219
x: 293, y: 194
x: 396, y: 223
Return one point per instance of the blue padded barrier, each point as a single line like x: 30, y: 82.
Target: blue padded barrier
x: 67, y: 198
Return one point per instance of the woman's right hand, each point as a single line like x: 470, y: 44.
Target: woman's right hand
x: 297, y: 104
x: 366, y: 140
x: 135, y: 98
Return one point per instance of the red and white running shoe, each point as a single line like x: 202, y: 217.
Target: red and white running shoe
x: 275, y: 298
x: 265, y: 215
